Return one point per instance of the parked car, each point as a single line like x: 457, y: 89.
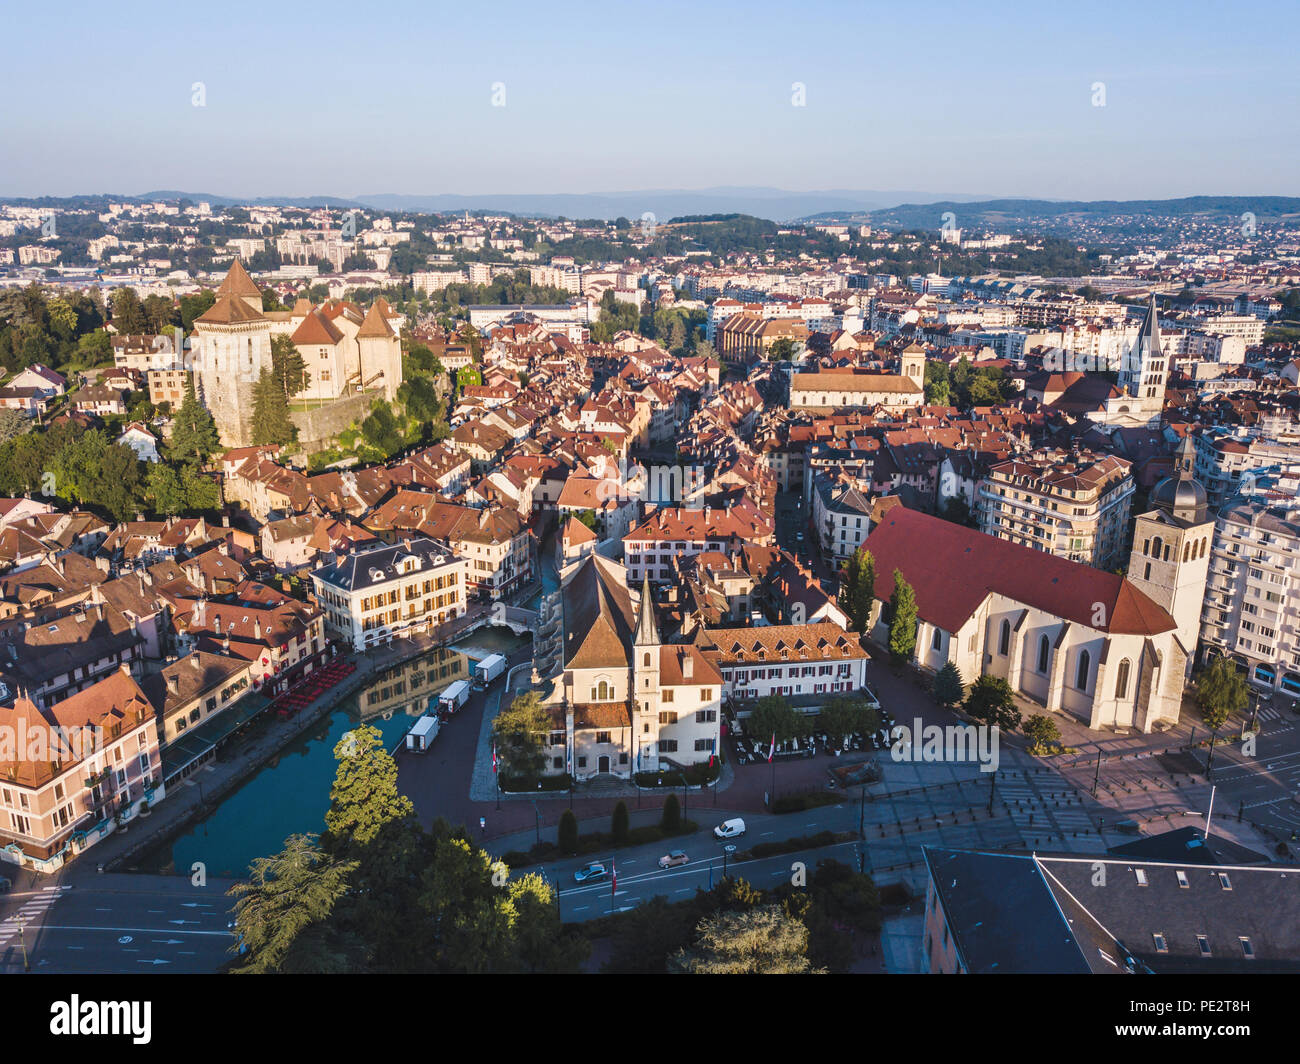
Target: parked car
x: 594, y: 870
x: 730, y: 829
x: 673, y: 858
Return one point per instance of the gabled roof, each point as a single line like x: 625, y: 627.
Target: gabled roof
x: 953, y: 569
x: 598, y: 615
x: 317, y: 329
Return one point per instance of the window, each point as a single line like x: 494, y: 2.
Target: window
x: 1141, y: 874
x: 1081, y: 673
x: 1121, y: 681
x: 582, y: 762
x: 1004, y: 638
x: 1247, y: 950
x: 668, y: 746
x: 1224, y: 881
x: 937, y: 642
x: 668, y: 717
x: 1203, y: 944
x: 702, y: 745
x: 1160, y: 944
x: 1043, y: 651
x: 706, y: 716
x: 602, y: 692
x: 666, y: 696
x: 602, y: 737
x: 1182, y: 879
x: 706, y: 694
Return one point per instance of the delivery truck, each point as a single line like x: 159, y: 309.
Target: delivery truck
x: 454, y: 697
x: 488, y: 670
x: 421, y: 736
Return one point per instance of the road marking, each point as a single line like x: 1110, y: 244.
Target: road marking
x: 138, y: 930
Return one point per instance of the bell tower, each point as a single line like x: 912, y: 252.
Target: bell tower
x: 1170, y: 560
x: 645, y: 683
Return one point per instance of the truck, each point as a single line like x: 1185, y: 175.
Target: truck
x: 454, y: 697
x: 488, y: 670
x: 422, y: 734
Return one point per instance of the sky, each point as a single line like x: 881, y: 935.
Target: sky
x: 355, y: 99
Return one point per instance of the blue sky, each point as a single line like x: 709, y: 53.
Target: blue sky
x: 353, y: 99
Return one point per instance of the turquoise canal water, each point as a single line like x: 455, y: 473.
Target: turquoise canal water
x: 290, y: 794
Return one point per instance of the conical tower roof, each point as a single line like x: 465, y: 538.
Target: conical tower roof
x: 647, y: 631
x: 375, y: 324
x: 238, y: 283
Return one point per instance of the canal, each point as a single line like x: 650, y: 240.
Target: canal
x: 290, y: 794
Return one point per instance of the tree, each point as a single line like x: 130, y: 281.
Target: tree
x: 12, y: 424
x: 567, y: 834
x: 773, y: 715
x: 194, y: 433
x: 364, y: 798
x: 271, y: 422
x: 128, y: 313
x: 519, y: 730
x: 1042, y: 733
x: 1221, y: 691
x: 782, y: 350
x: 948, y: 689
x: 619, y: 823
x: 671, y: 821
x: 288, y: 367
x: 991, y: 700
x: 858, y: 589
x: 847, y: 716
x: 285, y: 897
x: 166, y: 489
x: 763, y: 941
x: 902, y: 619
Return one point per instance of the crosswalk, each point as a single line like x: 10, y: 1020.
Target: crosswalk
x: 1052, y: 818
x: 33, y: 908
x: 1276, y: 720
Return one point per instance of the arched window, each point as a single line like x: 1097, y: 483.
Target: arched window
x: 1155, y: 548
x: 1043, y: 651
x: 1187, y: 551
x: 603, y: 692
x: 937, y: 641
x: 1004, y: 638
x: 1081, y: 673
x: 1205, y: 543
x: 646, y: 660
x: 1121, y: 681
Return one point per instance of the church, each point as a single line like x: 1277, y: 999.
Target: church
x: 1068, y: 637
x: 345, y: 351
x: 620, y: 700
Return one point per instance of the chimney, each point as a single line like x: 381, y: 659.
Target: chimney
x: 257, y: 629
x: 139, y: 517
x: 688, y: 666
x: 225, y: 643
x: 173, y: 683
x: 194, y: 660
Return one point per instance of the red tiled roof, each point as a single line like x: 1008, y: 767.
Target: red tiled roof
x: 953, y: 569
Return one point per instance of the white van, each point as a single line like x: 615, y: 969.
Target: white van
x: 730, y: 829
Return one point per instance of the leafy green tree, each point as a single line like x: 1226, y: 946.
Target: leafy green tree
x: 364, y: 797
x: 991, y: 700
x: 782, y: 350
x: 1042, y: 733
x: 519, y: 731
x: 948, y: 688
x: 541, y: 943
x: 858, y: 589
x: 773, y: 715
x: 847, y: 716
x: 619, y: 823
x: 567, y: 833
x: 381, y: 429
x: 166, y: 489
x: 288, y: 367
x: 762, y: 941
x: 128, y: 313
x: 284, y: 898
x: 194, y: 432
x: 902, y: 619
x: 271, y: 422
x: 1221, y: 691
x: 671, y: 821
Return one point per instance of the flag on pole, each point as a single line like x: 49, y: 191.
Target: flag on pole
x: 713, y: 751
x: 494, y: 756
x: 613, y: 878
x: 771, y: 750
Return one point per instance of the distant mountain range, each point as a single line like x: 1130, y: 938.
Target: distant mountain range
x: 774, y: 204
x: 1005, y: 212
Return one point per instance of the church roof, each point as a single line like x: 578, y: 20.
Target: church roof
x: 954, y: 569
x: 598, y: 616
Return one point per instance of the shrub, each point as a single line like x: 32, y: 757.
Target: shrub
x: 797, y: 803
x: 672, y: 818
x: 567, y: 837
x: 619, y: 824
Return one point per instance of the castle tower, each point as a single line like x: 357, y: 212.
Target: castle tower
x: 381, y: 350
x: 1170, y: 560
x: 230, y: 348
x: 645, y: 679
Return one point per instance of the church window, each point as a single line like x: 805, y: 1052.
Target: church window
x: 1043, y: 650
x: 1187, y: 551
x: 1147, y: 575
x: 1004, y: 639
x: 1121, y: 681
x: 1081, y: 674
x: 1166, y: 558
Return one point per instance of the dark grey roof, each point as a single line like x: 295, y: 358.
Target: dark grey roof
x: 358, y: 569
x: 1189, y: 846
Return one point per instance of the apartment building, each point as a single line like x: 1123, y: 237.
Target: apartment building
x: 1075, y: 505
x: 376, y: 592
x: 677, y: 531
x: 807, y: 663
x: 80, y: 767
x: 1224, y: 456
x: 1252, y: 597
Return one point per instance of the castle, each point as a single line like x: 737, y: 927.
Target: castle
x: 345, y: 352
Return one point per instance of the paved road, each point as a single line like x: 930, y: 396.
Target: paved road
x: 116, y: 924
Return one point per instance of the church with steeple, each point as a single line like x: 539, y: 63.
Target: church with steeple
x: 345, y: 351
x: 619, y: 698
